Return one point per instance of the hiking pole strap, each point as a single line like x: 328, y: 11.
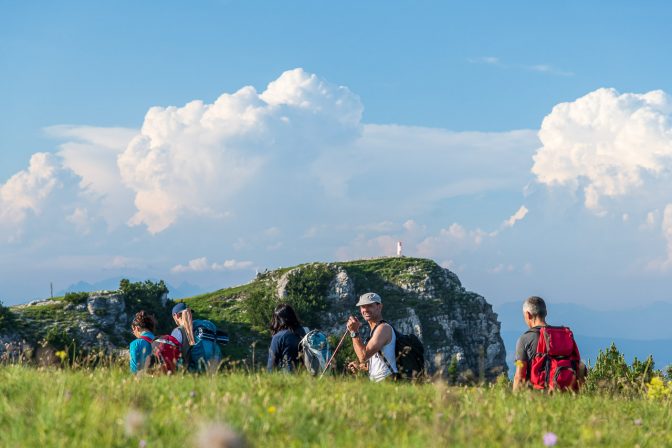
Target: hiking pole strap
x: 334, y: 354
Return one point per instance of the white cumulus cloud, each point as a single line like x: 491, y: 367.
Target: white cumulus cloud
x: 91, y: 154
x: 192, y: 159
x: 26, y: 192
x: 616, y: 148
x: 606, y: 143
x: 202, y: 264
x: 518, y: 216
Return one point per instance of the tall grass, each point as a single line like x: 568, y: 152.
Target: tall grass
x: 108, y: 407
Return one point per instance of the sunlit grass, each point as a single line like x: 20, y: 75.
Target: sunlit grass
x: 108, y: 407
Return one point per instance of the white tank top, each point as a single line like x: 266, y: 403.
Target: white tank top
x: 378, y: 369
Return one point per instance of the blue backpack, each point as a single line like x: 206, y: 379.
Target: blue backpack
x: 205, y: 354
x: 315, y: 351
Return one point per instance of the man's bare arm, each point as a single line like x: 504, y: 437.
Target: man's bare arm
x: 381, y: 337
x: 519, y: 379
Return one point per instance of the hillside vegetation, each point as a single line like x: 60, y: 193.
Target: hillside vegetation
x: 456, y: 326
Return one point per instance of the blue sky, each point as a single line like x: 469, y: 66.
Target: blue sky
x: 412, y: 121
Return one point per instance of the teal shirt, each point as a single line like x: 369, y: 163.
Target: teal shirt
x: 139, y: 351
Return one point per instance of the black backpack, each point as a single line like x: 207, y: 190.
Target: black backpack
x: 410, y: 355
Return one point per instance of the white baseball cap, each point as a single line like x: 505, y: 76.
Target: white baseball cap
x: 369, y: 298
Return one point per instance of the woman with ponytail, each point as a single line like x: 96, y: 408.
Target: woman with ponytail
x: 184, y: 332
x: 143, y: 327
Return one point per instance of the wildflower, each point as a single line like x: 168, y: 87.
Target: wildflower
x: 550, y: 439
x: 656, y: 389
x: 134, y: 422
x: 142, y: 443
x: 62, y: 355
x: 218, y: 435
x: 271, y: 409
x: 520, y: 365
x: 192, y: 394
x: 637, y: 422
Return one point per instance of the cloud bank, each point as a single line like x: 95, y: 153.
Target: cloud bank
x: 606, y: 143
x: 617, y: 149
x: 290, y: 173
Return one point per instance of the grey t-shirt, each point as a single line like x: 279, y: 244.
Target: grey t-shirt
x: 526, y: 347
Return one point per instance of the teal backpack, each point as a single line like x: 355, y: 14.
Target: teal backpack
x: 205, y: 354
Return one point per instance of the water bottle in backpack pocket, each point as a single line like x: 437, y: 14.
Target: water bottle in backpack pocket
x: 315, y: 352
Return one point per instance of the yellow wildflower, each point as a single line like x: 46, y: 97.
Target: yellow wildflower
x: 656, y: 389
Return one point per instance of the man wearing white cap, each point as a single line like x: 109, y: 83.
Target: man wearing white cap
x: 378, y: 352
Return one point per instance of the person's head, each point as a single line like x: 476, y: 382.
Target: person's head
x: 180, y: 312
x: 143, y: 322
x: 183, y: 318
x: 284, y: 318
x: 534, y: 311
x: 371, y: 307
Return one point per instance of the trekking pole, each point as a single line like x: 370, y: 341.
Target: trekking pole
x: 334, y: 354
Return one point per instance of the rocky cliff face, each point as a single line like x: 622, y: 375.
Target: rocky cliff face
x: 420, y: 297
x: 97, y: 321
x: 456, y: 326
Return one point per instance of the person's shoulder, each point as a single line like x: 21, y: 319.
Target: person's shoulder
x: 529, y: 335
x: 280, y: 334
x: 385, y: 327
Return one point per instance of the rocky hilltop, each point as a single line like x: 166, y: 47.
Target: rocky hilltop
x: 457, y: 327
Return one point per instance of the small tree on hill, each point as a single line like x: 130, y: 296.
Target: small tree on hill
x: 6, y: 317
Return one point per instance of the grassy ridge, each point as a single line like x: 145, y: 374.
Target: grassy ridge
x: 106, y: 407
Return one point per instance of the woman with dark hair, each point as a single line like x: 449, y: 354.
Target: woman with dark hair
x: 287, y: 333
x: 143, y: 327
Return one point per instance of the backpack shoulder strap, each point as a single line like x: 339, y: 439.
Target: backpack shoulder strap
x: 147, y: 339
x: 542, y: 343
x: 375, y: 327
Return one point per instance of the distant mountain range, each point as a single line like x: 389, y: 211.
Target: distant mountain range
x: 640, y: 331
x: 110, y: 284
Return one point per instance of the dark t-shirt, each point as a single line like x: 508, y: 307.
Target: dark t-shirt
x: 526, y: 347
x: 284, y: 351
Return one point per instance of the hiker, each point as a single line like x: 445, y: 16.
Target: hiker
x: 549, y: 363
x: 378, y: 354
x: 184, y: 332
x: 287, y: 333
x: 199, y: 340
x: 143, y: 327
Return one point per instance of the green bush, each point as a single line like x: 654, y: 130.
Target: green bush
x: 147, y: 296
x: 76, y: 298
x: 60, y: 339
x: 306, y: 292
x: 259, y: 305
x: 7, y: 318
x: 612, y: 374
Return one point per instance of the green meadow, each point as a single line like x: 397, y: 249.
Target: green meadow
x: 108, y: 407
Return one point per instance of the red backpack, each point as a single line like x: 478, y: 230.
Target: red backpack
x: 556, y: 363
x: 165, y: 352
